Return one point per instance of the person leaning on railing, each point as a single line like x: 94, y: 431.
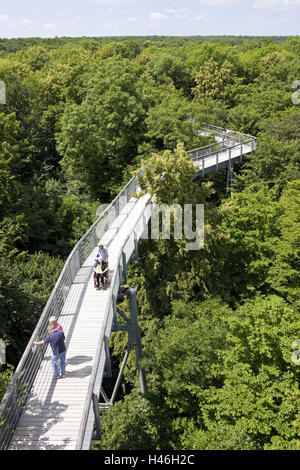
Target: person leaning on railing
x: 57, y: 343
x: 53, y: 322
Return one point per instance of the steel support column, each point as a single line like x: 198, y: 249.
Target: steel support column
x: 134, y: 339
x: 98, y: 431
x: 137, y: 342
x: 229, y: 179
x: 136, y: 247
x: 124, y: 263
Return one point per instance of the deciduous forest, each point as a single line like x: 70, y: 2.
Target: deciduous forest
x: 217, y: 325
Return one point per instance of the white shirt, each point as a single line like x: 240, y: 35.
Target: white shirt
x: 104, y: 254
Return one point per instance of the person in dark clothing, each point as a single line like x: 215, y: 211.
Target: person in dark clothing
x: 100, y: 271
x: 102, y: 256
x: 57, y: 343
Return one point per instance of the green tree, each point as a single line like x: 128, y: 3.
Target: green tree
x: 171, y: 178
x: 100, y: 136
x: 251, y: 224
x: 274, y: 163
x: 169, y: 69
x: 5, y: 378
x: 126, y: 426
x: 23, y: 295
x: 212, y: 79
x: 169, y: 122
x: 250, y: 115
x: 284, y: 273
x: 14, y: 160
x: 36, y: 57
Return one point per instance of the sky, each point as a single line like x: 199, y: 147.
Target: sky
x: 50, y: 18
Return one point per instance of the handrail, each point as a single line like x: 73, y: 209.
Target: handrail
x: 19, y: 388
x: 23, y: 378
x: 88, y: 402
x: 221, y: 130
x: 221, y: 147
x: 211, y: 155
x: 228, y: 136
x: 87, y: 405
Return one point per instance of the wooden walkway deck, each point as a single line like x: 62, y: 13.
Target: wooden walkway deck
x: 52, y: 415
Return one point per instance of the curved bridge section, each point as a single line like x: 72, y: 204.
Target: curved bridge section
x: 40, y: 413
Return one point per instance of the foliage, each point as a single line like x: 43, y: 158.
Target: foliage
x: 100, y: 136
x: 212, y: 79
x: 5, y: 378
x: 24, y: 289
x: 217, y: 324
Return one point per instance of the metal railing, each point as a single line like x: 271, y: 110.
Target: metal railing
x: 115, y: 284
x: 18, y: 391
x: 227, y: 141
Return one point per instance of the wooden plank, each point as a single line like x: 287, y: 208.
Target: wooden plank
x: 53, y: 412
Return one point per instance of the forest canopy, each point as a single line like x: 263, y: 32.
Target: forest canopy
x: 82, y: 114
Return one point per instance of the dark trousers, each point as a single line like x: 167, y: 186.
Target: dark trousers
x: 99, y: 277
x: 104, y: 266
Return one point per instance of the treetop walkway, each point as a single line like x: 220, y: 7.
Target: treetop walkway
x: 38, y: 412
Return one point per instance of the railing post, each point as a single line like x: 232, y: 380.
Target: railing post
x: 107, y: 370
x: 70, y: 274
x: 229, y: 172
x: 118, y: 381
x: 136, y: 246
x: 106, y: 399
x: 217, y: 160
x: 124, y: 267
x: 94, y: 237
x: 120, y: 274
x: 203, y: 168
x: 114, y: 306
x: 15, y: 406
x: 97, y: 418
x: 138, y: 346
x: 145, y: 229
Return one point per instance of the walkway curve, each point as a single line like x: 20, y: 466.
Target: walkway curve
x: 36, y: 412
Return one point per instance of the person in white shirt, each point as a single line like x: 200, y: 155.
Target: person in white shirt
x: 103, y: 253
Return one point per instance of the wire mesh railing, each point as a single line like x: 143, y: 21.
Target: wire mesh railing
x: 225, y: 140
x: 18, y: 391
x: 128, y: 245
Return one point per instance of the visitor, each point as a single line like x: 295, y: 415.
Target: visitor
x: 103, y: 256
x: 56, y: 339
x: 100, y: 271
x: 53, y: 322
x: 103, y: 253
